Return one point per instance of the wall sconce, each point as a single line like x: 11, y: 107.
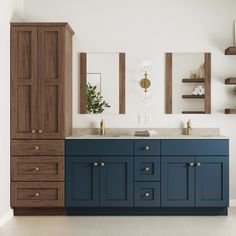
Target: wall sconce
x: 145, y: 83
x: 146, y: 68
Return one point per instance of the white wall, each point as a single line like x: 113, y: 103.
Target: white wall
x: 146, y: 29
x: 10, y: 10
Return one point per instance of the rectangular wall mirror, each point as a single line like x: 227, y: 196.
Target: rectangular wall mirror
x: 188, y: 83
x: 102, y: 83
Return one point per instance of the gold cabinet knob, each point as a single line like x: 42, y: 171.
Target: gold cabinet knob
x: 102, y: 164
x: 147, y: 168
x: 37, y: 168
x: 191, y: 164
x: 40, y: 131
x: 36, y: 147
x: 147, y: 194
x: 33, y: 131
x: 147, y: 147
x: 37, y: 194
x: 198, y: 164
x: 95, y: 164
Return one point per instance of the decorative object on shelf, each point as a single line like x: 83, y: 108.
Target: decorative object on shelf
x: 95, y: 103
x: 145, y: 83
x: 193, y: 74
x: 199, y: 90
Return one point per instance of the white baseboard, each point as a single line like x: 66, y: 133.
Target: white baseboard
x: 7, y: 216
x: 232, y: 202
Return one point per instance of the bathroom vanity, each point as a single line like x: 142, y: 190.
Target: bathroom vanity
x: 154, y: 176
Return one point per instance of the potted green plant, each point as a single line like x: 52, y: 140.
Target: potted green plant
x: 95, y: 102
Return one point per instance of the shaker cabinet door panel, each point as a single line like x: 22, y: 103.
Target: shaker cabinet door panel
x: 50, y: 82
x: 212, y: 181
x: 82, y: 181
x: 116, y: 181
x: 24, y: 83
x: 177, y: 181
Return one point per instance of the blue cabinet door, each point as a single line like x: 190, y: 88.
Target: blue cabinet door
x: 177, y: 181
x: 116, y: 181
x: 212, y: 181
x: 82, y: 181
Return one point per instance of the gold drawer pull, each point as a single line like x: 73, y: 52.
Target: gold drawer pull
x: 33, y: 131
x: 37, y: 168
x: 36, y: 147
x: 147, y: 168
x: 191, y: 164
x: 37, y: 194
x: 40, y: 131
x: 147, y: 194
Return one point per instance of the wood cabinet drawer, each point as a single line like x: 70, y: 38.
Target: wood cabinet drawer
x: 37, y: 194
x: 147, y: 147
x: 37, y: 147
x: 37, y: 168
x: 197, y: 147
x: 89, y: 147
x: 147, y: 194
x: 147, y: 168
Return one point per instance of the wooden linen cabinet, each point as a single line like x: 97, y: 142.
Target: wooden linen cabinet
x: 41, y: 109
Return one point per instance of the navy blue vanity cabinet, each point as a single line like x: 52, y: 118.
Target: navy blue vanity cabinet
x: 99, y: 173
x: 82, y: 181
x: 212, y: 181
x: 116, y: 181
x: 194, y: 173
x: 177, y: 181
x: 147, y: 173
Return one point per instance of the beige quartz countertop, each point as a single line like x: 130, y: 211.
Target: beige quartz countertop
x: 158, y: 133
x: 151, y: 137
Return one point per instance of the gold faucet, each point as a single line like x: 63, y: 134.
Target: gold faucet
x: 102, y: 128
x: 189, y: 128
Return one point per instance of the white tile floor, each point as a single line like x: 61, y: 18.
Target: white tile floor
x: 121, y: 225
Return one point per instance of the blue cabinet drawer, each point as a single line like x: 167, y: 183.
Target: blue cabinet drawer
x: 147, y: 147
x: 88, y: 147
x: 195, y: 147
x: 147, y: 168
x: 147, y: 194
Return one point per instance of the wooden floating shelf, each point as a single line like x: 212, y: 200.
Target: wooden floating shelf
x: 193, y: 112
x: 197, y: 80
x: 230, y: 111
x: 194, y: 96
x: 230, y: 51
x: 230, y: 81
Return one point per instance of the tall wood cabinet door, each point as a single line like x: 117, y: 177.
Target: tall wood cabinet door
x: 212, y: 181
x: 50, y: 82
x: 177, y: 181
x: 116, y: 181
x: 24, y: 82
